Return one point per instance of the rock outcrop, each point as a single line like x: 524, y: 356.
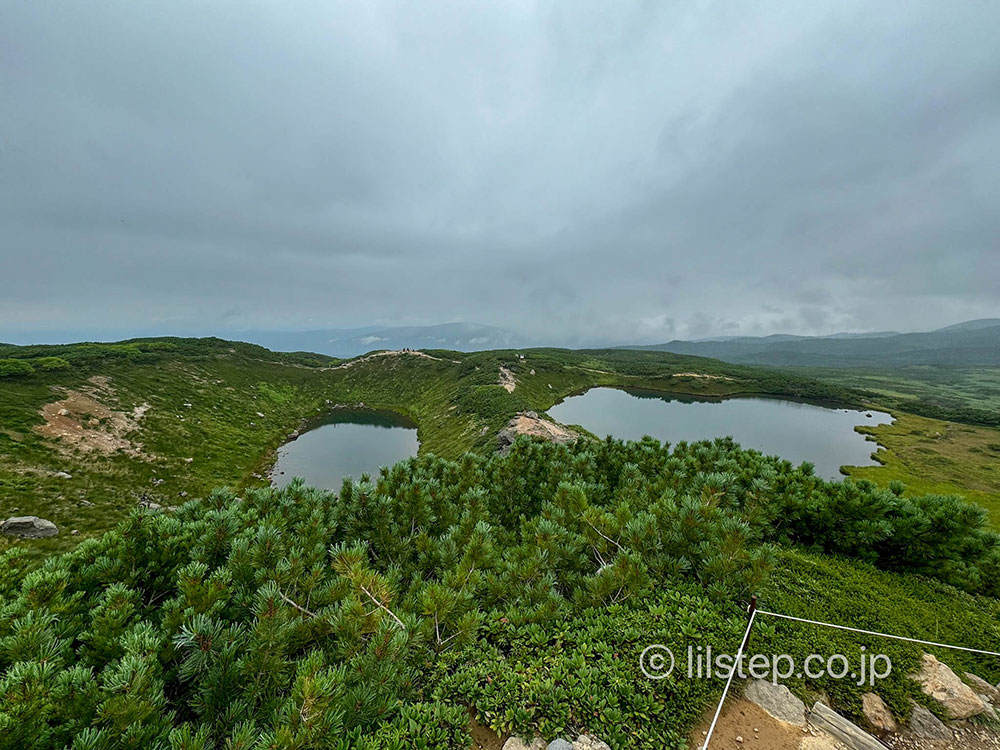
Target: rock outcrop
x: 530, y: 424
x: 778, y: 701
x: 926, y: 726
x: 983, y: 688
x: 940, y: 683
x: 28, y: 527
x: 877, y: 713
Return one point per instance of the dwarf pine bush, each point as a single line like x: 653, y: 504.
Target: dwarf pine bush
x: 297, y: 618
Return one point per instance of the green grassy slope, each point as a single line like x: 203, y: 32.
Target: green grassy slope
x: 962, y: 394
x: 206, y: 396
x: 218, y: 410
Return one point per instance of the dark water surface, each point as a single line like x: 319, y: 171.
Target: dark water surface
x: 796, y: 431
x: 349, y: 443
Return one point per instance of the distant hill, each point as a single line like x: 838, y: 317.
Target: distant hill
x: 350, y: 342
x: 975, y: 342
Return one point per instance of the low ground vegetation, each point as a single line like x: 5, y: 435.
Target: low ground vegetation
x: 518, y: 588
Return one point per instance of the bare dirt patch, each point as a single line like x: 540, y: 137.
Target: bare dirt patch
x: 700, y: 375
x: 751, y: 725
x: 530, y: 424
x: 507, y: 379
x: 82, y: 421
x: 389, y: 353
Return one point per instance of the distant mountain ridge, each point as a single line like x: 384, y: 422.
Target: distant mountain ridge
x: 974, y: 342
x: 350, y: 342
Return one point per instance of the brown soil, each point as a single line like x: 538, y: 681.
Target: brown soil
x: 969, y: 738
x: 484, y: 738
x: 741, y: 718
x: 83, y: 422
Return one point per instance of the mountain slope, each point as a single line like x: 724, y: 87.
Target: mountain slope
x: 972, y: 343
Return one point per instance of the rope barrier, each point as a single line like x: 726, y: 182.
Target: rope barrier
x: 732, y: 673
x: 876, y: 633
x: 753, y: 611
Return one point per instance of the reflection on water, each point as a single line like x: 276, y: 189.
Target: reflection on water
x: 348, y: 443
x: 794, y: 430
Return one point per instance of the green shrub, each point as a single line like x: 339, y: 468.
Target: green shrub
x: 491, y: 402
x: 524, y: 586
x: 12, y: 368
x: 50, y: 364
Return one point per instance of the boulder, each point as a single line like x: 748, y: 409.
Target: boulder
x: 983, y: 688
x: 926, y: 726
x: 777, y: 700
x: 586, y: 742
x: 827, y: 720
x: 877, y: 713
x: 28, y: 527
x: 559, y: 744
x: 63, y: 475
x: 940, y: 683
x: 516, y: 743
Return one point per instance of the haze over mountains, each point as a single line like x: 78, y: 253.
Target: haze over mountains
x: 350, y: 342
x: 974, y: 342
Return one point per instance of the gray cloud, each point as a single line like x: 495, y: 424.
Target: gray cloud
x: 633, y: 171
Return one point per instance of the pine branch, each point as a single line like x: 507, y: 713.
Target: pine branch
x: 299, y: 607
x: 382, y: 606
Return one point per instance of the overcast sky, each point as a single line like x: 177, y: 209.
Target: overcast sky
x: 631, y: 171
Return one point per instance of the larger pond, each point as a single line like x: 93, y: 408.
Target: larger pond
x: 349, y: 443
x: 794, y: 430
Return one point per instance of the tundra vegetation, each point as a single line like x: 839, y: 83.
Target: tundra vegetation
x: 517, y: 589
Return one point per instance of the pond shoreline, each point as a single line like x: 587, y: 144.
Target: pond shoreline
x: 831, y: 437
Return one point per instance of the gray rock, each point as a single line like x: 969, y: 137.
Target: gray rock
x: 62, y: 475
x: 990, y: 712
x: 149, y: 504
x: 983, y: 688
x: 926, y: 726
x: 829, y: 721
x: 559, y: 744
x: 516, y: 743
x: 86, y: 504
x: 777, y: 700
x: 28, y: 527
x: 586, y: 742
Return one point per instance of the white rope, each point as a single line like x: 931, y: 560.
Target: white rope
x: 882, y: 635
x: 732, y: 673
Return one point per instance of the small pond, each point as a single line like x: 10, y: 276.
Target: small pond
x: 347, y: 443
x: 794, y: 430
